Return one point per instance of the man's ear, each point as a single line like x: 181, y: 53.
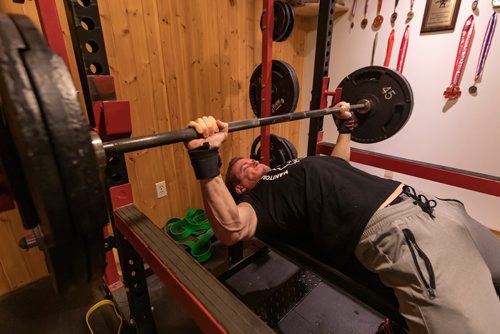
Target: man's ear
x: 240, y: 189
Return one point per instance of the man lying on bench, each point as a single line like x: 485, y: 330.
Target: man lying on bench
x: 441, y: 263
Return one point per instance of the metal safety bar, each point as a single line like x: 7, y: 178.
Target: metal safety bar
x: 483, y: 183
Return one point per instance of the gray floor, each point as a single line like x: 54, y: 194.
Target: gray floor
x: 168, y: 313
x: 38, y: 309
x: 293, y: 300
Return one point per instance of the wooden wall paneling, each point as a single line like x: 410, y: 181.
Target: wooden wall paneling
x: 173, y: 25
x: 4, y: 282
x: 33, y: 258
x: 109, y: 41
x: 16, y: 266
x: 228, y: 76
x: 168, y: 164
x: 235, y: 41
x: 133, y: 85
x: 202, y: 74
x: 28, y: 8
x: 146, y: 114
x: 183, y: 186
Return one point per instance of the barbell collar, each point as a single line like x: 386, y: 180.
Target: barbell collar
x: 177, y: 136
x: 368, y: 106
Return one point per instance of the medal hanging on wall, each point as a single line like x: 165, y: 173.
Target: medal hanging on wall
x: 364, y: 21
x: 353, y: 12
x: 402, y: 50
x: 453, y: 91
x: 410, y: 14
x: 485, y: 48
x: 394, y: 15
x: 474, y: 5
x: 388, y: 53
x: 377, y: 22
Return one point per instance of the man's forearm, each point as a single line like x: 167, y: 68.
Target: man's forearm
x: 342, y: 147
x: 222, y: 212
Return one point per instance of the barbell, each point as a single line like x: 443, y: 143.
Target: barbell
x: 51, y: 159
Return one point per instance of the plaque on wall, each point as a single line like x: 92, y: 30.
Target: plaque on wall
x: 440, y: 15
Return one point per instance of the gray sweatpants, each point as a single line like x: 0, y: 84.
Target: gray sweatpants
x: 442, y: 269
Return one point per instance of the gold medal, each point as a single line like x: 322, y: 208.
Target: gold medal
x: 410, y: 14
x: 394, y: 15
x: 378, y: 21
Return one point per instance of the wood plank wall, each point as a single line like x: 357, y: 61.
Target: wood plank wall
x: 174, y: 61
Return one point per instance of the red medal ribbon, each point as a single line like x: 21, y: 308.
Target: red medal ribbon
x: 379, y: 6
x: 453, y: 91
x: 388, y: 53
x: 402, y: 49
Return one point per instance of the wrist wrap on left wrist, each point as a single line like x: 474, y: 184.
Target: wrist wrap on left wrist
x: 205, y: 161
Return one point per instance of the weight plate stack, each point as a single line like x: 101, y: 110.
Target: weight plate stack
x: 291, y: 22
x: 280, y: 150
x: 284, y: 19
x: 284, y: 89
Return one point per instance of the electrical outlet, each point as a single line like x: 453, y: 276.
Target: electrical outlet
x: 161, y: 189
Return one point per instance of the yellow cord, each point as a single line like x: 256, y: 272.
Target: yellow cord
x: 96, y: 306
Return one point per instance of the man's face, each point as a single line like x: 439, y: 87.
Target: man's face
x: 249, y: 172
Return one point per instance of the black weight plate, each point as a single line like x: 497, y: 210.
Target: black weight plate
x: 17, y: 184
x: 27, y: 130
x: 71, y: 142
x: 292, y: 151
x: 53, y: 143
x: 284, y: 91
x: 9, y: 158
x: 392, y: 102
x: 291, y: 22
x: 281, y: 20
x: 279, y: 151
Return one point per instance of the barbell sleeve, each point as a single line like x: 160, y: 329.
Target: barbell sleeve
x: 177, y: 136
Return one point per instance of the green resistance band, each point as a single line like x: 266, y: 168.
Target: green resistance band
x: 194, y: 232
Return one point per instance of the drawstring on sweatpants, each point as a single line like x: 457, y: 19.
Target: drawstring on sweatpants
x: 421, y: 200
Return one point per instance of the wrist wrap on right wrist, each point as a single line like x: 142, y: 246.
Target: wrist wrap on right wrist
x: 345, y: 125
x: 205, y: 162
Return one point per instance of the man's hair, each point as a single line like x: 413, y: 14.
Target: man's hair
x: 231, y: 180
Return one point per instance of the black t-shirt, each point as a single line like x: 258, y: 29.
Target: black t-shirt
x: 320, y: 198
